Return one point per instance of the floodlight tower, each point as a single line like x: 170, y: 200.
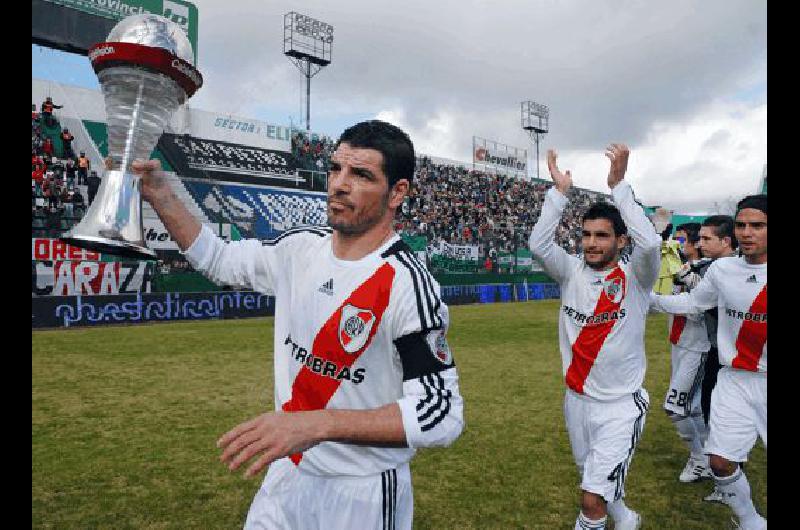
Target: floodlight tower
x: 307, y: 42
x: 536, y: 121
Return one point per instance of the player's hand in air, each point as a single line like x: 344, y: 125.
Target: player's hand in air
x: 272, y: 436
x: 154, y: 183
x: 618, y: 154
x: 563, y: 181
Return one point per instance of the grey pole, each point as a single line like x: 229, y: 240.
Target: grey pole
x: 308, y: 99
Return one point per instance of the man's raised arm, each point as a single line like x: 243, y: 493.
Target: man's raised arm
x: 646, y: 257
x: 555, y: 260
x: 242, y: 263
x: 179, y: 222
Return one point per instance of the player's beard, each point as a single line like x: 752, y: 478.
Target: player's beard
x: 605, y: 260
x: 363, y: 221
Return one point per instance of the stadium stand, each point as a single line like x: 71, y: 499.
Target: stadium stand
x: 313, y: 155
x: 497, y: 212
x: 57, y: 201
x: 449, y: 203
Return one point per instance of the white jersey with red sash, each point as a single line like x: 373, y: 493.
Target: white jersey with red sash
x: 688, y: 332
x: 602, y: 317
x: 739, y: 290
x: 349, y: 335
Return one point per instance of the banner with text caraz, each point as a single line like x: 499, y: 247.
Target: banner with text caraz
x: 65, y: 278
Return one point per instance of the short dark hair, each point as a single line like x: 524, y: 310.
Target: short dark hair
x: 723, y: 227
x: 757, y: 202
x: 692, y: 231
x: 394, y: 144
x: 605, y: 210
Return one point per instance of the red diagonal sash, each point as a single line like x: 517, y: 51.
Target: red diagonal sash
x: 592, y: 336
x: 312, y: 391
x: 752, y: 336
x: 678, y: 323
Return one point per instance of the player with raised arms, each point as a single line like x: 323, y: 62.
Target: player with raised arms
x: 604, y: 304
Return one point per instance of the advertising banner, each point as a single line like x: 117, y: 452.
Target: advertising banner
x: 48, y: 249
x: 239, y: 130
x: 65, y: 278
x: 462, y: 252
x: 224, y: 161
x: 524, y: 259
x: 183, y: 13
x: 72, y: 311
x: 498, y: 155
x: 156, y: 235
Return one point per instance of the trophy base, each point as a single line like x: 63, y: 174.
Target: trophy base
x: 110, y: 245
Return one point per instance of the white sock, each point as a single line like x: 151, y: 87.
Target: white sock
x: 736, y: 494
x: 619, y: 511
x: 584, y: 523
x: 686, y: 430
x: 701, y: 432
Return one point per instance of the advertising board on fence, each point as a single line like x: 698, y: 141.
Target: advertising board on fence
x: 181, y: 12
x: 48, y: 249
x: 75, y: 311
x: 495, y: 154
x: 156, y: 236
x: 463, y: 252
x: 71, y: 311
x: 65, y: 278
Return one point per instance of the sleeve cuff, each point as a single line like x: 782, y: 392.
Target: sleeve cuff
x: 200, y: 247
x: 654, y: 299
x: 408, y: 411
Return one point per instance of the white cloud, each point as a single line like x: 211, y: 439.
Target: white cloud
x: 682, y: 82
x: 687, y: 165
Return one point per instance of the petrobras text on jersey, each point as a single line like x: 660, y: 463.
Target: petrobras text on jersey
x: 322, y: 366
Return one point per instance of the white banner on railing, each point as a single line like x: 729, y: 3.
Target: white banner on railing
x: 465, y: 252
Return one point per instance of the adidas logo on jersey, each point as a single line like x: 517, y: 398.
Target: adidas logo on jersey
x: 752, y: 279
x: 327, y: 287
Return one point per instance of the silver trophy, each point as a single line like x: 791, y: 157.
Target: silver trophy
x: 146, y: 70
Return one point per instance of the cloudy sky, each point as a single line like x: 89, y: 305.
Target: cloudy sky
x: 682, y: 82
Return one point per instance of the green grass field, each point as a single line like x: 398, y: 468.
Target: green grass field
x: 125, y: 420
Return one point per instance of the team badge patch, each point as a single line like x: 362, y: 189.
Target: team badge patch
x: 438, y: 344
x: 355, y: 325
x: 614, y: 289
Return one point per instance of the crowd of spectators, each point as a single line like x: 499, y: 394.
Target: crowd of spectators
x: 312, y: 154
x: 447, y: 203
x: 494, y: 211
x: 55, y: 176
